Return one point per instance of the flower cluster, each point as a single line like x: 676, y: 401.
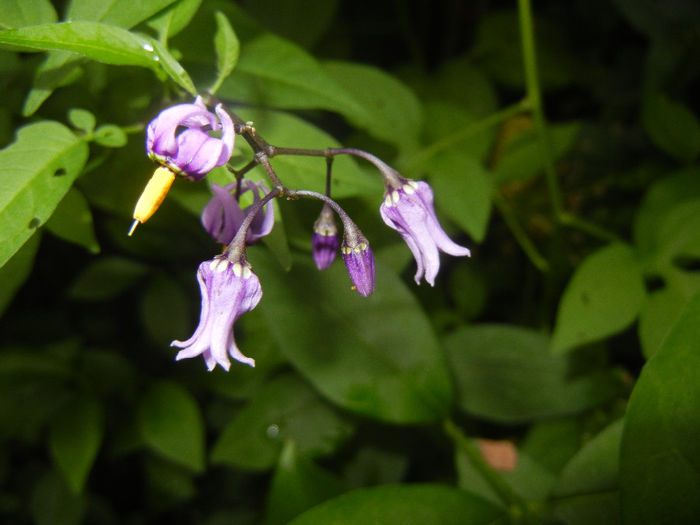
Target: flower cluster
x: 180, y: 140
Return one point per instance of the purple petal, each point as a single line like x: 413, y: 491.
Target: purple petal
x: 359, y: 261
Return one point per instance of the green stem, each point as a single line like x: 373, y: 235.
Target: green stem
x: 533, y: 95
x: 468, y: 131
x: 517, y: 506
x: 520, y: 235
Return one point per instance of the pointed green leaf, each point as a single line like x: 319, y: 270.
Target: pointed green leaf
x: 375, y: 355
x: 284, y: 408
x: 671, y: 126
x: 72, y: 221
x: 227, y: 49
x: 16, y: 270
x: 98, y: 41
x: 297, y: 485
x: 171, y: 424
x: 82, y: 119
x: 36, y: 171
x: 659, y: 465
x: 173, y: 19
x: 75, y: 435
x: 53, y: 503
x: 602, y: 298
x: 428, y: 504
x: 486, y: 355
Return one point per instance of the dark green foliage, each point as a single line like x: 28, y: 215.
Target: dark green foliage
x: 562, y: 143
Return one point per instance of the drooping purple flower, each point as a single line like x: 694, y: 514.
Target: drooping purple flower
x: 325, y: 240
x: 408, y: 208
x: 359, y: 260
x: 222, y: 216
x: 229, y: 289
x: 177, y: 138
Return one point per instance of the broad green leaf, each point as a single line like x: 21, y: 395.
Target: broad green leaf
x: 110, y: 136
x: 276, y: 72
x: 308, y: 172
x: 427, y: 504
x: 53, y: 503
x: 16, y: 270
x: 602, y: 298
x: 679, y: 246
x: 659, y: 466
x: 75, y: 435
x: 18, y: 13
x: 393, y: 109
x: 82, y: 119
x: 106, y: 278
x: 658, y: 201
x: 36, y: 171
x: 174, y: 18
x: 227, y: 49
x: 522, y: 157
x: 171, y: 424
x: 284, y: 408
x: 72, y: 221
x: 462, y: 190
x: 98, y: 41
x: 61, y: 67
x: 297, y: 485
x: 671, y: 126
x: 375, y: 355
x: 488, y: 364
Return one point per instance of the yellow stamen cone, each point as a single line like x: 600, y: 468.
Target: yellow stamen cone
x: 152, y: 196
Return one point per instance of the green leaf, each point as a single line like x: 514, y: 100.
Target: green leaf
x: 522, y: 157
x: 486, y: 355
x: 227, y: 49
x: 671, y: 126
x: 110, y: 136
x: 284, y: 408
x: 171, y: 424
x: 276, y: 72
x: 16, y: 270
x: 377, y: 356
x: 602, y: 298
x: 659, y: 314
x: 173, y: 19
x: 427, y: 504
x: 659, y: 467
x: 98, y: 41
x: 53, y: 503
x: 82, y: 119
x: 462, y: 188
x: 393, y: 109
x: 72, y: 221
x: 309, y: 172
x: 36, y: 171
x: 75, y: 435
x: 18, y: 13
x: 106, y: 278
x: 297, y: 485
x: 122, y: 13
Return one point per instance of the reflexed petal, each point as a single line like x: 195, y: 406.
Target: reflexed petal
x: 222, y: 216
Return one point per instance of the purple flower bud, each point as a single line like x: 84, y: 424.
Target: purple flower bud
x: 325, y: 241
x: 190, y: 152
x: 222, y: 216
x: 408, y: 208
x: 228, y: 290
x: 359, y: 260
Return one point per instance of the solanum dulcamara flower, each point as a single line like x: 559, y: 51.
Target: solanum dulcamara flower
x: 359, y: 259
x: 178, y: 139
x: 408, y: 208
x: 222, y: 216
x: 229, y: 289
x: 325, y: 240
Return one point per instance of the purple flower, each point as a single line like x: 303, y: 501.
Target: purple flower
x: 228, y: 290
x: 359, y: 261
x: 222, y: 216
x: 408, y: 208
x: 177, y: 138
x: 325, y: 241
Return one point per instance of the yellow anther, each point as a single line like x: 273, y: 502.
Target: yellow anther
x: 152, y: 196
